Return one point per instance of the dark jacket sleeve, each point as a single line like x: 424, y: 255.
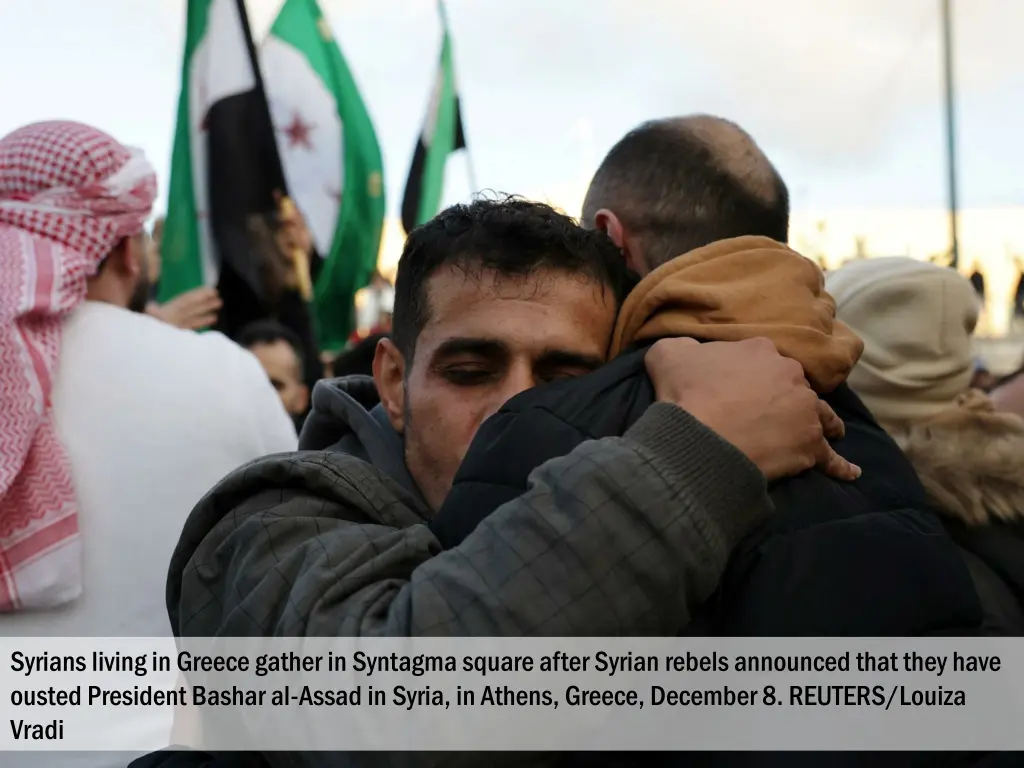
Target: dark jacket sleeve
x: 506, y: 450
x: 625, y: 535
x: 862, y: 559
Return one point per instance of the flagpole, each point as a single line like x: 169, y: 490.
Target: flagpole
x: 471, y: 173
x: 254, y: 60
x: 285, y: 206
x: 947, y: 48
x: 442, y: 13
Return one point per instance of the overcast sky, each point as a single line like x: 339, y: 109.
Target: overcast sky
x: 844, y: 95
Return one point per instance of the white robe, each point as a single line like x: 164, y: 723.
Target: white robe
x: 152, y: 417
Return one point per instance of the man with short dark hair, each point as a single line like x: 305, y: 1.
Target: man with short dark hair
x: 279, y: 351
x: 492, y: 299
x: 475, y: 361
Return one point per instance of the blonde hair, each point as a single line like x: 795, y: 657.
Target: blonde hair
x: 970, y: 459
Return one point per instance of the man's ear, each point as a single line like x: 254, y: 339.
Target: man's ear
x: 389, y: 376
x: 129, y: 256
x: 607, y: 222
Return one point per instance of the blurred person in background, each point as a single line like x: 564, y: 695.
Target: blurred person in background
x: 192, y: 310
x: 982, y: 378
x: 373, y: 317
x: 273, y: 243
x: 1008, y: 393
x: 917, y: 320
x: 145, y: 417
x: 280, y: 353
x: 357, y: 359
x: 113, y: 424
x: 373, y: 323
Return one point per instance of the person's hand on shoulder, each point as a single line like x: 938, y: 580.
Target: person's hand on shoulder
x: 191, y: 310
x: 751, y: 396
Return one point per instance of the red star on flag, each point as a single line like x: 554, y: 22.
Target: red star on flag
x: 298, y: 132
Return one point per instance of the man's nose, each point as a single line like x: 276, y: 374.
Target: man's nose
x: 519, y: 379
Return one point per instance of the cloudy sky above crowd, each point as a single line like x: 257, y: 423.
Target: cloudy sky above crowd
x: 844, y: 95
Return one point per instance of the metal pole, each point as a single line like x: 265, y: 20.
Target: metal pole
x: 947, y: 34
x: 442, y: 12
x: 471, y: 173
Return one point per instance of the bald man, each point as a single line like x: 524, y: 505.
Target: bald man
x: 701, y: 213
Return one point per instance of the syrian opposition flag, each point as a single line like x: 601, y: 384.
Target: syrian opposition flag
x: 225, y: 169
x: 331, y: 158
x: 442, y: 135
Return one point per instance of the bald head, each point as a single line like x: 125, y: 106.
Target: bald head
x: 684, y: 182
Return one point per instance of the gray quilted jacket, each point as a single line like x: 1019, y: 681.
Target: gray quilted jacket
x: 624, y: 536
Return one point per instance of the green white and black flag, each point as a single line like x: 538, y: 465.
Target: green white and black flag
x: 442, y: 134
x: 225, y: 168
x: 331, y: 158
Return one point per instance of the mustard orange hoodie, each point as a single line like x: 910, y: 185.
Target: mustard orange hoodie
x: 742, y: 288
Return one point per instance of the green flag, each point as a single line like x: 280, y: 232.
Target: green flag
x: 442, y: 134
x: 186, y: 247
x: 225, y: 169
x: 331, y: 159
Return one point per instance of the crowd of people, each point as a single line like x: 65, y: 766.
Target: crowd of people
x: 656, y: 420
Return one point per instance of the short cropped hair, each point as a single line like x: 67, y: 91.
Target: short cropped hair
x: 510, y: 236
x: 683, y: 183
x: 270, y: 332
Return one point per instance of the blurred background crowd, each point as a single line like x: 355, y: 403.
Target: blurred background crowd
x: 881, y: 155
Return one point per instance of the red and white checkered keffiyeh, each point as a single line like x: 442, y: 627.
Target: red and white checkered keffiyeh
x: 68, y: 194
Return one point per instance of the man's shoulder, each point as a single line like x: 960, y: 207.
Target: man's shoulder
x: 93, y: 316
x: 301, y: 485
x: 315, y: 477
x: 211, y: 343
x: 276, y: 524
x: 210, y: 349
x: 887, y: 494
